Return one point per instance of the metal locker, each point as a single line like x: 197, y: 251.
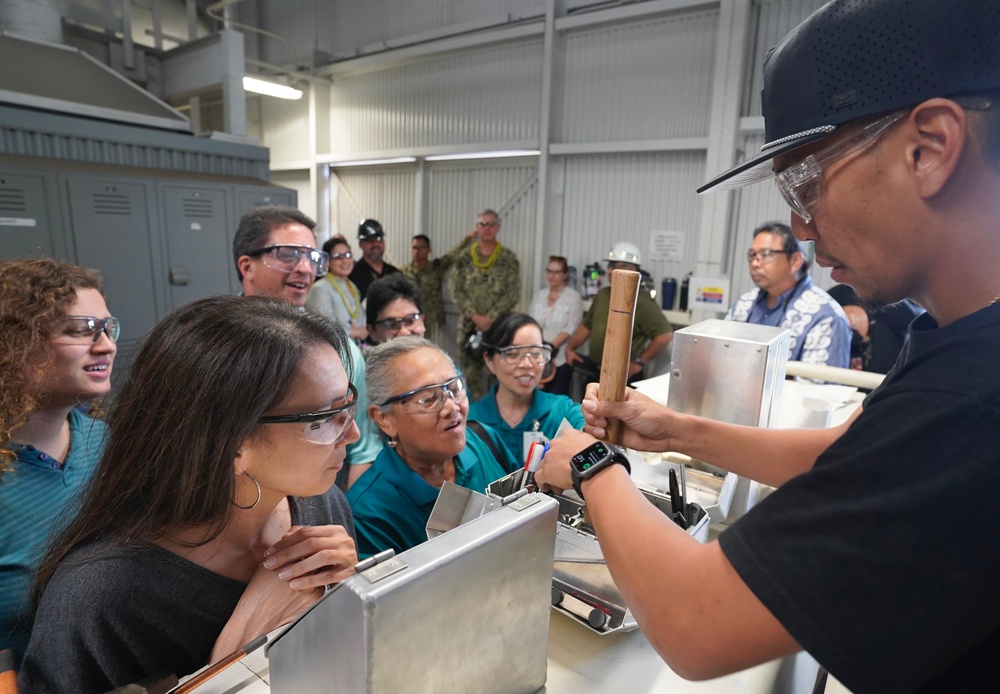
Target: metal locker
x: 196, y: 226
x: 26, y: 220
x: 111, y: 224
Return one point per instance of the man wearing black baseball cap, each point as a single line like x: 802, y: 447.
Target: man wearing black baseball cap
x: 370, y: 266
x: 878, y: 552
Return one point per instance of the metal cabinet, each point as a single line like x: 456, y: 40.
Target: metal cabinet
x: 29, y: 228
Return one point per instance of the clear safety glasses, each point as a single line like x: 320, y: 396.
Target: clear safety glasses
x: 87, y: 329
x: 430, y: 399
x: 324, y: 428
x: 288, y: 258
x: 538, y: 355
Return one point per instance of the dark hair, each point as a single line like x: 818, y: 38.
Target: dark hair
x: 424, y: 238
x: 335, y: 241
x: 256, y: 224
x: 203, y: 377
x: 385, y: 290
x: 789, y: 244
x: 501, y: 333
x: 36, y: 295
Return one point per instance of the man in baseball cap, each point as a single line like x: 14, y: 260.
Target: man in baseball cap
x: 882, y: 123
x: 370, y: 266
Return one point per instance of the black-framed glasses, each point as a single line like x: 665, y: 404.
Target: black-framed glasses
x: 326, y: 427
x: 346, y: 255
x: 766, y: 254
x: 397, y: 323
x: 288, y: 258
x: 88, y: 329
x: 487, y: 224
x: 515, y: 354
x: 430, y: 399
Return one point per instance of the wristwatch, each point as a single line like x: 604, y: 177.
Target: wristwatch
x: 592, y: 460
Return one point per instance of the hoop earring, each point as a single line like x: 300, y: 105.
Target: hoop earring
x: 256, y: 501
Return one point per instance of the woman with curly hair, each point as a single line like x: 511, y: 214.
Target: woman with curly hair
x: 57, y: 347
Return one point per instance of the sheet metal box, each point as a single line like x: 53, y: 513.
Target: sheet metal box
x: 467, y: 611
x: 728, y: 371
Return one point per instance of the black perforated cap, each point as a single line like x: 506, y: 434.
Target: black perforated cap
x: 856, y: 58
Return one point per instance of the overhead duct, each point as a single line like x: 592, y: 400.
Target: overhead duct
x: 32, y: 19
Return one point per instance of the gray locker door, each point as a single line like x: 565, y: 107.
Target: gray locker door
x: 111, y: 232
x: 25, y: 227
x: 196, y: 227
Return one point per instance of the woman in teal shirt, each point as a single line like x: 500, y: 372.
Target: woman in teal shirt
x: 420, y: 403
x: 515, y: 407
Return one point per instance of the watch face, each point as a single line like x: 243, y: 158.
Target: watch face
x: 587, y: 458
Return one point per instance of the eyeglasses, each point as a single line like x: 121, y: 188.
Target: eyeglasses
x: 799, y: 183
x: 431, y: 399
x: 88, y: 329
x: 515, y: 354
x: 419, y: 248
x: 549, y: 271
x: 324, y: 428
x: 487, y: 224
x: 766, y: 254
x: 397, y: 323
x: 346, y: 255
x: 288, y: 258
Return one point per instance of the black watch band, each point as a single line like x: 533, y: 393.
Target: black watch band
x: 592, y: 460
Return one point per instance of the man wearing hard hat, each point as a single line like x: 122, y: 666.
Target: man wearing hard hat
x: 651, y: 331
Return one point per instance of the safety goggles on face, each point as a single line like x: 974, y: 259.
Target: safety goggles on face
x: 799, y: 183
x: 346, y: 255
x: 324, y: 428
x: 765, y: 255
x: 87, y: 329
x: 515, y: 354
x: 288, y: 258
x: 394, y: 324
x: 430, y: 399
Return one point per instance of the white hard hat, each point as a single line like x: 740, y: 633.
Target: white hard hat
x: 624, y: 252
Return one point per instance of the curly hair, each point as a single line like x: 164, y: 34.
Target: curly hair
x: 36, y: 295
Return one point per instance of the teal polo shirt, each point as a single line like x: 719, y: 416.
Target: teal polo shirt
x: 391, y: 503
x: 547, y: 411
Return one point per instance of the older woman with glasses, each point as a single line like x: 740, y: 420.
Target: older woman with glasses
x: 334, y: 294
x: 521, y: 413
x: 58, y: 348
x: 212, y: 517
x: 558, y: 309
x: 420, y: 403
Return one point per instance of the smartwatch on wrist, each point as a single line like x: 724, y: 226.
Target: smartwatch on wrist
x: 592, y: 460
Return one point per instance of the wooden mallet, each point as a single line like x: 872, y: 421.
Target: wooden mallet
x: 618, y: 344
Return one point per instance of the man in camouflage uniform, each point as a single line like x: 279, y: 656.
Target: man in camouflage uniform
x: 429, y: 274
x: 485, y: 283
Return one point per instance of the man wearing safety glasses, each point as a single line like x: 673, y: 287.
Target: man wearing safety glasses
x: 883, y: 134
x: 276, y: 255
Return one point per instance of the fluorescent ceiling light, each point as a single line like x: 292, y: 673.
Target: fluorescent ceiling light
x: 485, y: 155
x: 259, y: 86
x: 373, y: 162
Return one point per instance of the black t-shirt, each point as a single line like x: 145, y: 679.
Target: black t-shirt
x: 364, y: 274
x: 115, y: 615
x: 882, y: 561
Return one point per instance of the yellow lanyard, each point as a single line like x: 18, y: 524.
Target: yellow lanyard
x: 354, y: 311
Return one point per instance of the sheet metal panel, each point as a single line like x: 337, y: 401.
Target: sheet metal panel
x: 487, y: 95
x: 385, y: 194
x: 644, y: 80
x: 284, y: 128
x: 608, y: 199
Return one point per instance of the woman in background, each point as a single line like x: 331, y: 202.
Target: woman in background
x: 58, y: 347
x: 420, y: 403
x: 515, y: 353
x: 212, y: 517
x: 335, y: 295
x: 558, y: 309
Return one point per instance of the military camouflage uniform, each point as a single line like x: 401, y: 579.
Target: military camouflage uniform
x: 489, y: 292
x: 430, y: 278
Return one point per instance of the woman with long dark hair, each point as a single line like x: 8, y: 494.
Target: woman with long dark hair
x: 57, y: 347
x: 212, y: 517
